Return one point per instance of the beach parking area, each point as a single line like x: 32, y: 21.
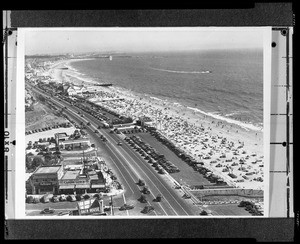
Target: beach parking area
x: 187, y: 176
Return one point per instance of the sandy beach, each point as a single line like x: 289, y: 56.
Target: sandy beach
x: 223, y: 146
x: 68, y: 75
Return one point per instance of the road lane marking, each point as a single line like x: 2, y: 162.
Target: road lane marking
x: 121, y: 174
x: 125, y: 203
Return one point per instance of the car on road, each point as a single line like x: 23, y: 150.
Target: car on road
x: 161, y: 171
x: 141, y: 182
x: 120, y: 143
x: 96, y: 131
x: 145, y: 190
x: 126, y: 207
x: 186, y: 196
x: 158, y: 198
x: 147, y: 209
x: 48, y: 211
x: 203, y: 212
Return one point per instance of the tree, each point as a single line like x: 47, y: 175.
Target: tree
x: 36, y: 162
x: 29, y: 199
x: 28, y: 161
x: 86, y: 197
x: 98, y: 196
x: 48, y: 157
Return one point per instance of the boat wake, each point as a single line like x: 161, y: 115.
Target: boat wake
x: 183, y: 72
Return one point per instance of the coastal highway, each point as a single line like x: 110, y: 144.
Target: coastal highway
x: 130, y: 167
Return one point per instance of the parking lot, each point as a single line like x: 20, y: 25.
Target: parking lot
x: 34, y: 209
x: 187, y: 174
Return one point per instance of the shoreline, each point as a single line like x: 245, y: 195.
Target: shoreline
x: 214, y: 125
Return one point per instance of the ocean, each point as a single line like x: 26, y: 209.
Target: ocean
x: 227, y: 84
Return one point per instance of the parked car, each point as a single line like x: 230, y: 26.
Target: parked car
x: 142, y: 199
x: 107, y: 208
x: 46, y: 198
x: 62, y: 213
x: 62, y: 198
x: 126, y: 207
x: 47, y: 211
x: 71, y: 198
x: 147, y: 209
x: 55, y: 199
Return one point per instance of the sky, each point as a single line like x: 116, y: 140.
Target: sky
x: 72, y: 40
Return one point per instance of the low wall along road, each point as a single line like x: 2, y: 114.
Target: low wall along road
x: 230, y: 191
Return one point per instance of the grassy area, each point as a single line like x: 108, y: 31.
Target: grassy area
x: 227, y: 210
x: 41, y: 117
x: 228, y: 198
x: 225, y: 197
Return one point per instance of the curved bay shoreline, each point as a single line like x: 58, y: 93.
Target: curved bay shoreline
x: 193, y: 131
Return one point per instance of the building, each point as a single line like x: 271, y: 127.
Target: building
x: 146, y: 121
x: 61, y: 137
x: 75, y: 90
x: 71, y: 91
x: 90, y: 206
x: 75, y: 144
x: 45, y: 179
x: 69, y: 180
x: 97, y: 180
x: 81, y: 182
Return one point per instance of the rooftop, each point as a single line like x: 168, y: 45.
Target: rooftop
x: 71, y: 175
x: 77, y: 140
x: 61, y: 134
x: 48, y: 169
